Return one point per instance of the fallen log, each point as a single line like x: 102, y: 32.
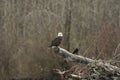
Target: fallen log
x: 96, y: 69
x: 72, y: 57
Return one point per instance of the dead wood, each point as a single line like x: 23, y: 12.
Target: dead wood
x: 94, y: 69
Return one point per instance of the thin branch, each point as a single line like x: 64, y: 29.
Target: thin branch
x: 116, y: 50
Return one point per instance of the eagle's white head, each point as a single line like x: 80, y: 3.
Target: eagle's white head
x: 60, y: 34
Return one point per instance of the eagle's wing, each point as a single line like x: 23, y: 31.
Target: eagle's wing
x: 56, y: 41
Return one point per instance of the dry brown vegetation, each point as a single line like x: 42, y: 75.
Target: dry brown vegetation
x: 28, y: 26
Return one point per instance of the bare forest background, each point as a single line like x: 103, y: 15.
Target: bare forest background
x: 28, y: 26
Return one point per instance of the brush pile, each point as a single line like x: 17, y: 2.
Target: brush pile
x: 93, y: 71
x: 86, y: 68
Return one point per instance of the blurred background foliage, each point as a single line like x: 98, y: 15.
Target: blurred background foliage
x: 28, y: 26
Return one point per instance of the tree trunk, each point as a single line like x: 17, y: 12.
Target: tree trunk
x: 68, y: 23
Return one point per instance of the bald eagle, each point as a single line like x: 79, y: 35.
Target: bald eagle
x: 75, y: 51
x: 57, y: 41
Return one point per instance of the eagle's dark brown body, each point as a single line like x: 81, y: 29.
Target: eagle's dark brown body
x: 56, y: 42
